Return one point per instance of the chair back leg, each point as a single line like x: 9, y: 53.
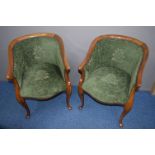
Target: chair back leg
x: 81, y: 95
x: 68, y: 95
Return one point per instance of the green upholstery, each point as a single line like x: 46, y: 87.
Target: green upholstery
x: 111, y: 72
x: 108, y: 84
x: 38, y: 67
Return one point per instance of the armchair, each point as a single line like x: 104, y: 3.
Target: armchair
x: 38, y: 68
x: 112, y: 71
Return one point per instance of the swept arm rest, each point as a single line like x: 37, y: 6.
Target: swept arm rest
x: 133, y: 81
x: 136, y: 76
x: 10, y: 72
x: 82, y: 65
x: 88, y: 56
x: 63, y: 55
x: 81, y: 68
x: 9, y: 75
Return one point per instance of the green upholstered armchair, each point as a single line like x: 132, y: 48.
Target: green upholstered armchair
x: 38, y: 68
x: 112, y: 71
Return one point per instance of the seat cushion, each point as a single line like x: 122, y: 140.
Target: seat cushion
x: 108, y: 84
x: 42, y: 81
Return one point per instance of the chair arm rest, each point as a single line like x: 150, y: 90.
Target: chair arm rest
x: 133, y: 81
x: 83, y: 64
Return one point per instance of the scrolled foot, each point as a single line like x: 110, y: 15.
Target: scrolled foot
x: 27, y: 116
x: 121, y: 122
x: 80, y: 107
x: 69, y: 107
x: 121, y: 125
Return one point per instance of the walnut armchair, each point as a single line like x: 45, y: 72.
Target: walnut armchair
x: 38, y: 68
x: 112, y: 71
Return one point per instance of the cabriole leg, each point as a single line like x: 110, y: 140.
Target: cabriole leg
x: 81, y: 95
x: 20, y: 99
x: 127, y: 107
x: 68, y: 95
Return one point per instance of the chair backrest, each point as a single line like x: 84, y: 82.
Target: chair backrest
x: 117, y: 51
x: 37, y: 49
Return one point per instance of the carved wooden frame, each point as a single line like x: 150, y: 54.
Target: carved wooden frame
x: 11, y: 77
x: 127, y: 106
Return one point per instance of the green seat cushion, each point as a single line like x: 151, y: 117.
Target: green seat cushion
x: 108, y: 84
x: 42, y: 81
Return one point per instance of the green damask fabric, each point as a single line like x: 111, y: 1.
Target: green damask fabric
x: 38, y: 67
x: 108, y: 84
x: 122, y: 58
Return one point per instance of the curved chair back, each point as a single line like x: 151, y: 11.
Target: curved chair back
x: 32, y: 49
x: 125, y: 53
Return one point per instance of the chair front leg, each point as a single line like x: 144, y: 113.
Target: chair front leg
x: 20, y: 99
x: 81, y: 95
x: 68, y: 89
x: 80, y: 89
x: 127, y: 107
x: 68, y: 95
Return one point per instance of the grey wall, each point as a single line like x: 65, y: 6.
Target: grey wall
x: 77, y: 41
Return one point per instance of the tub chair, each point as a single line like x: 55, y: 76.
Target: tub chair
x: 112, y: 70
x: 38, y: 68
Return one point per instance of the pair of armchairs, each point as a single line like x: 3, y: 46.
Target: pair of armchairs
x: 110, y: 73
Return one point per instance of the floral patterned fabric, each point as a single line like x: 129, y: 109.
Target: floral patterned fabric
x: 38, y: 67
x: 120, y: 60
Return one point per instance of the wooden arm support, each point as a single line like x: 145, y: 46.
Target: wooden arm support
x: 66, y: 64
x: 9, y: 75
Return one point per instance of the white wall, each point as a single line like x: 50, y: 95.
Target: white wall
x: 77, y: 41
